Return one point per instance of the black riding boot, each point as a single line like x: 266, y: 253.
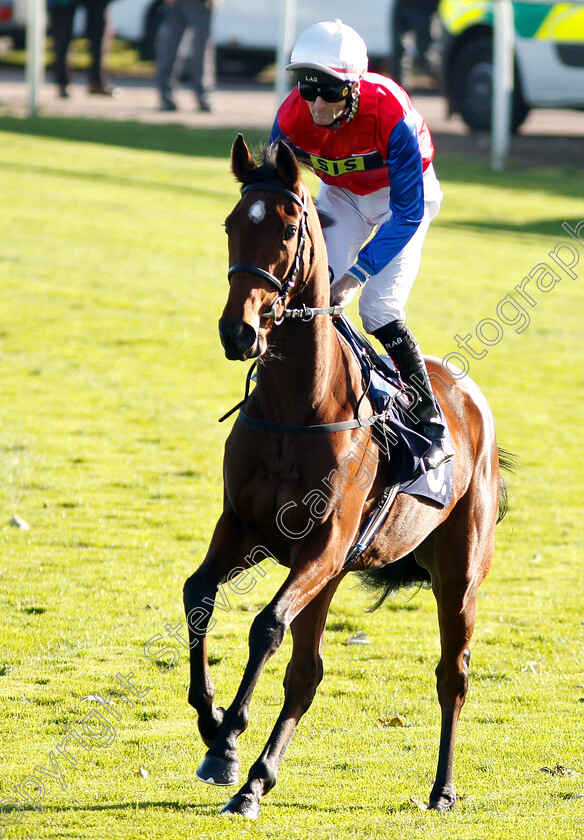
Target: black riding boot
x: 405, y: 353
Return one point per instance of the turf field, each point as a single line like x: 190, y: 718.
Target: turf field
x: 112, y: 278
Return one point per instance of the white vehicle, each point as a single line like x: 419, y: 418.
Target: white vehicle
x: 245, y: 34
x: 244, y: 28
x: 549, y: 58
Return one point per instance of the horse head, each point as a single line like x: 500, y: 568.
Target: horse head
x: 267, y: 234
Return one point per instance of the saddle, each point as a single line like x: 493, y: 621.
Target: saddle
x: 400, y: 443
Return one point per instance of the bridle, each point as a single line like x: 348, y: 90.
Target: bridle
x: 377, y: 517
x: 285, y: 285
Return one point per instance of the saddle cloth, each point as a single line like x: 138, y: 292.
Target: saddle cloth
x: 397, y: 434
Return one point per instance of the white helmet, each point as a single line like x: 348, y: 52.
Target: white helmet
x: 329, y: 49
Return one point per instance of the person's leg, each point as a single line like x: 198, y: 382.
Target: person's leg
x: 382, y: 310
x: 61, y: 18
x: 401, y: 25
x: 405, y: 353
x: 95, y: 28
x: 198, y: 14
x: 384, y: 295
x: 422, y: 29
x: 348, y: 229
x: 167, y: 43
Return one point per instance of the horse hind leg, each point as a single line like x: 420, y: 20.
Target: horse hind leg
x: 303, y: 675
x: 459, y: 564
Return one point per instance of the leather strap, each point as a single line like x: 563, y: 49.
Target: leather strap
x: 322, y: 429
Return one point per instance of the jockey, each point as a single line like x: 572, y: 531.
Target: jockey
x: 360, y: 134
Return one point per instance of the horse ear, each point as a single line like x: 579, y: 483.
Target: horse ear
x: 288, y: 166
x: 241, y: 160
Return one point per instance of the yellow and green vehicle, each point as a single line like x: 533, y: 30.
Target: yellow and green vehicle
x: 549, y: 58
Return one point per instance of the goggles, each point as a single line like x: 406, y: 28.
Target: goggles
x: 330, y: 93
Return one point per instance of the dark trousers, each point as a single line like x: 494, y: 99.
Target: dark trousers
x: 61, y: 18
x: 407, y: 19
x: 179, y: 16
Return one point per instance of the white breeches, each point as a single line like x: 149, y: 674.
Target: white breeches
x: 384, y: 295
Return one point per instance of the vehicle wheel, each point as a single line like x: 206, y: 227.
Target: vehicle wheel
x: 471, y: 86
x: 153, y: 21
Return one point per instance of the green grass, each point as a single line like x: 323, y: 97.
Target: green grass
x: 112, y: 277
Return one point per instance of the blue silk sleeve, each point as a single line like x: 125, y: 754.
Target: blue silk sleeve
x: 406, y: 199
x: 277, y: 133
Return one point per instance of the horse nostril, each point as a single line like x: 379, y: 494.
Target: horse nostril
x: 237, y: 339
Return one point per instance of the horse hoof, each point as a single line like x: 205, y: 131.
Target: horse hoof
x: 443, y: 803
x: 217, y: 771
x: 242, y: 805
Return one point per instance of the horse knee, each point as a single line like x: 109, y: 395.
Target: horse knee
x: 266, y: 633
x: 452, y: 678
x: 302, y: 681
x: 191, y: 589
x: 196, y: 587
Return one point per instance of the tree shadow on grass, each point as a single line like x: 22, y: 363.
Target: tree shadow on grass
x: 529, y: 156
x: 120, y: 180
x: 550, y: 165
x: 536, y: 228
x: 200, y: 808
x: 173, y: 139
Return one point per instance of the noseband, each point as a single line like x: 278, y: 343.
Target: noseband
x: 287, y: 284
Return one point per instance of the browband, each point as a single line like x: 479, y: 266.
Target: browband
x: 259, y: 185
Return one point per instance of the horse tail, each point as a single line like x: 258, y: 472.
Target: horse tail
x: 509, y: 463
x: 387, y: 580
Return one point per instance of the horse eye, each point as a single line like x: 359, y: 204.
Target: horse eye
x: 290, y: 231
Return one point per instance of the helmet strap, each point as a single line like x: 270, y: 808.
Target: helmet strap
x: 351, y: 109
x: 354, y: 104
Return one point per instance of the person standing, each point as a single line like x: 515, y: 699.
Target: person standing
x: 62, y: 16
x: 180, y: 15
x: 95, y: 28
x: 361, y: 135
x: 412, y: 16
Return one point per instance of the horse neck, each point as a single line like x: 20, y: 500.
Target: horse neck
x: 303, y: 357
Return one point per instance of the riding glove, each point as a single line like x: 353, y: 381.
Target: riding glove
x: 344, y: 290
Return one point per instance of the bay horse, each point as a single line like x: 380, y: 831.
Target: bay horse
x: 274, y: 460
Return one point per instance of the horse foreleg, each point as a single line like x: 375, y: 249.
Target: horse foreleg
x: 310, y: 573
x: 303, y: 675
x: 221, y: 763
x: 199, y: 589
x: 199, y: 594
